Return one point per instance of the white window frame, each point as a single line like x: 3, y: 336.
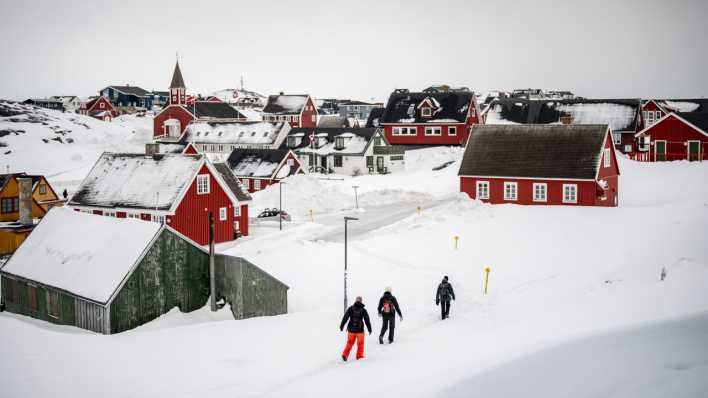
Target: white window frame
x: 452, y: 130
x: 223, y: 214
x: 257, y: 184
x: 606, y: 160
x: 433, y: 131
x: 537, y: 198
x: 290, y: 162
x: 203, y: 184
x: 157, y: 218
x: 478, y: 192
x: 507, y: 193
x: 237, y: 211
x: 566, y: 198
x: 426, y: 112
x: 247, y: 183
x: 314, y: 118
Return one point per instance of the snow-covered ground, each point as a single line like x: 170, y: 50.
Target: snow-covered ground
x: 575, y: 293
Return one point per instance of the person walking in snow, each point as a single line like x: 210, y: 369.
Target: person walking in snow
x: 388, y: 307
x: 357, y: 317
x: 443, y: 296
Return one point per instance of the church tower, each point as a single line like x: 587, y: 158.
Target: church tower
x: 177, y: 88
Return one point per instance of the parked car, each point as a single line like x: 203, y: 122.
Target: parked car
x: 272, y: 214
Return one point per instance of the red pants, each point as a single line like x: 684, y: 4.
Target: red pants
x: 359, y: 337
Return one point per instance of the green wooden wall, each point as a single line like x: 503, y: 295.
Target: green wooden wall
x: 173, y: 273
x: 66, y: 302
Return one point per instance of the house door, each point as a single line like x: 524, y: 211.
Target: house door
x: 694, y: 150
x: 380, y: 164
x: 659, y: 151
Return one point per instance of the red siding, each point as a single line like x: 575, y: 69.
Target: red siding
x: 191, y: 216
x: 190, y: 150
x: 306, y: 115
x: 587, y: 191
x: 120, y: 214
x: 98, y: 212
x: 420, y: 138
x: 171, y: 112
x: 243, y: 222
x: 676, y: 133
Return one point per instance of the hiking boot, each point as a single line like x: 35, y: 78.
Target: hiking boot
x: 390, y: 342
x: 344, y: 358
x: 380, y: 339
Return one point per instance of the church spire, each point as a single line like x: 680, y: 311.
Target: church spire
x: 177, y: 80
x: 177, y: 88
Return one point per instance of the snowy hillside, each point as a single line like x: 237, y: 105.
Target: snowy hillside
x: 575, y: 293
x: 63, y: 146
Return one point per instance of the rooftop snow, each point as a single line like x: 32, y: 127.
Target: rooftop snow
x: 255, y: 133
x: 285, y: 104
x: 617, y: 116
x: 136, y: 181
x: 84, y: 254
x: 680, y: 106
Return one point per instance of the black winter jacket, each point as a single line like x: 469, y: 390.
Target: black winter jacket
x: 390, y: 297
x: 445, y: 292
x: 357, y: 316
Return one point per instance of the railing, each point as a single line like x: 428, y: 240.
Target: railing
x: 667, y: 157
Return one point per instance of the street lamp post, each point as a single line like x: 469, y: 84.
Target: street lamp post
x: 280, y: 204
x: 346, y: 219
x: 356, y: 197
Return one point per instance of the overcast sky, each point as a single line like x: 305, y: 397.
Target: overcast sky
x: 356, y: 49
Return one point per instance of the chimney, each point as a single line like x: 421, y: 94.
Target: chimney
x: 566, y: 120
x: 282, y: 93
x: 152, y: 149
x: 25, y: 187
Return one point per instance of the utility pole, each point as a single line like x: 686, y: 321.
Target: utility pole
x: 346, y: 219
x: 280, y: 204
x: 356, y: 197
x: 212, y: 271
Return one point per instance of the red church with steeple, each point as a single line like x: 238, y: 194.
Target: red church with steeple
x: 173, y: 120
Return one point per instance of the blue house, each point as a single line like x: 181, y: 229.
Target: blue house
x: 128, y: 96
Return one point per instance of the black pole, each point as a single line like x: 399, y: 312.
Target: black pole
x: 345, y: 264
x: 280, y: 205
x: 212, y: 276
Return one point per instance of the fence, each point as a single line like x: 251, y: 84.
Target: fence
x: 667, y: 157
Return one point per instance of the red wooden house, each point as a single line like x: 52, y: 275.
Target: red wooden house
x: 174, y: 189
x: 99, y: 108
x: 655, y: 109
x: 429, y: 118
x: 259, y: 168
x: 171, y: 122
x: 675, y: 136
x: 297, y: 109
x: 541, y: 165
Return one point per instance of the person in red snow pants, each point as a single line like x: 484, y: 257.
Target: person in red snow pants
x: 357, y: 317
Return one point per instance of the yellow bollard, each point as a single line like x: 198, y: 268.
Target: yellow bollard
x: 457, y: 238
x: 486, y: 278
x: 312, y: 216
x: 419, y: 210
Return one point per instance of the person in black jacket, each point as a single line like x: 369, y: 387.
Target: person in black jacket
x: 388, y: 307
x: 444, y: 294
x: 357, y: 317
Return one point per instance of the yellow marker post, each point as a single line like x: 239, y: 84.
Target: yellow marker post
x: 457, y: 238
x: 419, y: 210
x: 312, y: 216
x: 486, y: 278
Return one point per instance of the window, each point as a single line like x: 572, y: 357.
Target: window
x: 425, y: 112
x: 369, y: 161
x: 314, y: 118
x: 570, y: 193
x: 101, y: 105
x: 396, y: 157
x: 606, y: 158
x: 32, y: 297
x: 290, y: 162
x: 157, y: 218
x: 237, y: 211
x: 42, y: 189
x: 52, y: 298
x: 10, y: 205
x: 539, y: 192
x: 628, y: 148
x: 510, y: 190
x: 247, y: 183
x: 109, y: 213
x: 339, y: 142
x: 405, y: 131
x: 378, y: 141
x: 482, y: 189
x: 452, y: 130
x: 222, y: 214
x: 432, y: 131
x: 617, y: 138
x: 202, y: 184
x: 8, y: 291
x: 257, y: 184
x: 337, y: 161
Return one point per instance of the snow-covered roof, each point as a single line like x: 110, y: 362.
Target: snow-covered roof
x: 291, y: 104
x: 254, y: 133
x: 81, y: 253
x: 683, y: 105
x: 355, y: 140
x: 256, y: 162
x: 402, y: 107
x: 137, y: 181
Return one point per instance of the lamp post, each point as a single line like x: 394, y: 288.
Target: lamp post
x: 356, y: 197
x: 280, y: 204
x: 346, y: 219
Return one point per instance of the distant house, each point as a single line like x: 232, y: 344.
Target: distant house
x: 259, y: 168
x: 558, y: 94
x: 239, y: 98
x: 328, y: 106
x: 359, y: 110
x: 225, y: 137
x: 541, y: 165
x: 109, y: 276
x: 444, y: 88
x: 46, y: 103
x: 624, y: 116
x: 297, y: 109
x: 125, y: 97
x: 439, y: 118
x: 71, y: 103
x: 160, y: 99
x: 345, y: 151
x: 173, y: 120
x: 528, y: 93
x: 99, y: 108
x: 675, y: 136
x: 333, y: 121
x: 173, y: 189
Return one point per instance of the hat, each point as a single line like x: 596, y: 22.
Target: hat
x: 358, y: 299
x: 388, y: 289
x: 445, y: 278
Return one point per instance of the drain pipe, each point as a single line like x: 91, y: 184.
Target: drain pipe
x: 212, y: 271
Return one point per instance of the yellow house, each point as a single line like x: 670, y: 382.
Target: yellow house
x: 43, y: 198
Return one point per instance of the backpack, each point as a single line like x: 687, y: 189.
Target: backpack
x: 444, y: 291
x: 387, y: 307
x: 356, y: 319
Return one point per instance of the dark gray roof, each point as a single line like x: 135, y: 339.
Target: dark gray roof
x: 697, y: 119
x: 217, y: 110
x: 619, y: 114
x: 696, y: 105
x: 131, y: 90
x: 355, y: 102
x: 286, y: 104
x: 177, y: 80
x: 404, y: 107
x: 232, y: 182
x: 330, y: 121
x: 161, y: 93
x: 374, y: 117
x: 536, y: 151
